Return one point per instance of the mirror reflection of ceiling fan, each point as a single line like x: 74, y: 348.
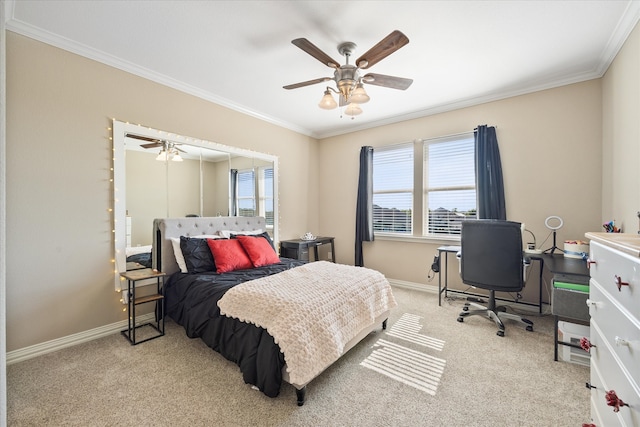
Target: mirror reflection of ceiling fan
x: 347, y: 77
x: 168, y: 149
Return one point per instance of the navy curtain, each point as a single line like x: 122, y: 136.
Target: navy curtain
x: 489, y: 185
x: 364, y: 207
x: 233, y: 184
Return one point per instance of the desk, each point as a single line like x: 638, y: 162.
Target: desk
x: 446, y: 250
x: 554, y: 265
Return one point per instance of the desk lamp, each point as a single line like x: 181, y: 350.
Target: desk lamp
x: 553, y: 223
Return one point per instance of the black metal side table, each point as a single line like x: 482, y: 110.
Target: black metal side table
x: 133, y: 301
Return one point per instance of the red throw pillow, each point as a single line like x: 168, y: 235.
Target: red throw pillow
x: 259, y: 250
x: 228, y: 255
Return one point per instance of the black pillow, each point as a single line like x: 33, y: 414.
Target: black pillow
x: 197, y: 255
x: 264, y: 234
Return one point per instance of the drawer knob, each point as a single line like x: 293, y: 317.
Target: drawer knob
x: 589, y: 262
x: 613, y: 400
x: 591, y: 303
x: 586, y: 344
x: 621, y: 341
x: 619, y: 282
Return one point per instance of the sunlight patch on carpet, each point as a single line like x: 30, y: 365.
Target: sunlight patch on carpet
x: 413, y: 368
x: 408, y: 328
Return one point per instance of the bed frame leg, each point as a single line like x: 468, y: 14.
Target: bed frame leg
x: 384, y: 324
x: 300, y: 395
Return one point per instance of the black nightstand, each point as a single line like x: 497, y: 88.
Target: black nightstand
x: 299, y: 248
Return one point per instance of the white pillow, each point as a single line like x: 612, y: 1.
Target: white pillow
x: 227, y: 233
x: 177, y: 251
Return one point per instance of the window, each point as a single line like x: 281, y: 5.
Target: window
x: 248, y: 185
x: 449, y: 184
x: 393, y: 189
x: 265, y: 190
x: 443, y: 196
x: 246, y: 193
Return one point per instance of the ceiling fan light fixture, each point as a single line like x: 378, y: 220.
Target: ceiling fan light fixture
x: 162, y: 157
x: 359, y: 95
x: 176, y: 157
x: 327, y: 102
x: 353, y: 109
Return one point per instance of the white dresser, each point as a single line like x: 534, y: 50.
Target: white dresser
x: 614, y: 306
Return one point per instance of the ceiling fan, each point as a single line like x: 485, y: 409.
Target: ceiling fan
x: 347, y: 77
x: 168, y: 149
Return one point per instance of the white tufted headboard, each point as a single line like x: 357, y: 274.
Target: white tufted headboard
x: 166, y: 228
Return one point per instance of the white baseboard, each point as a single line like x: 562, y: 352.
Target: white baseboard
x: 71, y: 340
x: 414, y: 286
x: 546, y: 308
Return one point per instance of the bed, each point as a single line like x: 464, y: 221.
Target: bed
x: 280, y: 320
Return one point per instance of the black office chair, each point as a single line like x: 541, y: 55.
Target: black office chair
x: 491, y: 258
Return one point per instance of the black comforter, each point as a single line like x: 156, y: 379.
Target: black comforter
x: 191, y: 300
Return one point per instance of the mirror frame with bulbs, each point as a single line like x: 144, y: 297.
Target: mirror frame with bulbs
x: 119, y: 210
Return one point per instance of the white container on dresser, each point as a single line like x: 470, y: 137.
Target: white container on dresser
x: 614, y: 307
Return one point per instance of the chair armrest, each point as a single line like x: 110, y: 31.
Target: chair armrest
x: 526, y: 262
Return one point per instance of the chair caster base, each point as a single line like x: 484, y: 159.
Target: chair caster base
x: 530, y: 328
x: 460, y: 319
x: 500, y: 333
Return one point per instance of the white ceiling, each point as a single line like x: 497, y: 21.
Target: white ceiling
x: 239, y: 53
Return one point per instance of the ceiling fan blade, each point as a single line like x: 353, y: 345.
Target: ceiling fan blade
x: 307, y: 83
x: 314, y: 51
x: 392, y: 82
x: 152, y: 145
x: 384, y: 48
x: 142, y: 138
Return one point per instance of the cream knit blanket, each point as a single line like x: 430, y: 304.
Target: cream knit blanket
x: 312, y: 311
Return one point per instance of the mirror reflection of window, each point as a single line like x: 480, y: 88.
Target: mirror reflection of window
x: 246, y: 193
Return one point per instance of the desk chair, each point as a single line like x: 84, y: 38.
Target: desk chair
x: 491, y: 258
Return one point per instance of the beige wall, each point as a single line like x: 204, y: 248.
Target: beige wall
x: 59, y: 239
x: 621, y: 136
x: 59, y: 242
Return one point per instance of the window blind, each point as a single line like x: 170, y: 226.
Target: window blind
x: 393, y: 189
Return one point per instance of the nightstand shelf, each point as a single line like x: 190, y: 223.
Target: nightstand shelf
x: 133, y: 301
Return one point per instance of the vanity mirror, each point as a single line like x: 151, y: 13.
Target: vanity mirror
x: 159, y: 174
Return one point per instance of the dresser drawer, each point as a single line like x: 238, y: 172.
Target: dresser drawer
x: 607, y: 375
x: 610, y: 263
x: 618, y: 327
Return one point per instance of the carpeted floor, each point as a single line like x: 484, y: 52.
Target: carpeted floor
x: 426, y: 369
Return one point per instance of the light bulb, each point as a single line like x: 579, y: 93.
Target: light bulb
x: 327, y: 102
x: 359, y: 95
x: 353, y: 109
